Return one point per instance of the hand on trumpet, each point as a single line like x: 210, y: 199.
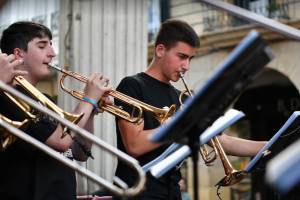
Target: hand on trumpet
x: 97, y: 89
x: 8, y: 64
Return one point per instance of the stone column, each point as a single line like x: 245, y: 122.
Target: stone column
x: 104, y: 36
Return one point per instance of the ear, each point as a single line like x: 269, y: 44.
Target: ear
x: 19, y: 53
x: 160, y: 50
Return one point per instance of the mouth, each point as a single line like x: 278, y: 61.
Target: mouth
x: 46, y: 63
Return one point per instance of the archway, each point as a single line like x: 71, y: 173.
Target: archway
x: 267, y: 102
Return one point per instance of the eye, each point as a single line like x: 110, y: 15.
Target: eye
x: 41, y: 46
x: 182, y: 56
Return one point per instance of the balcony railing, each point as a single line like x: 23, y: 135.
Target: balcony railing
x: 205, y: 18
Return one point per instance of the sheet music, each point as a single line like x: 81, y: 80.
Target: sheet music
x: 167, y: 161
x: 292, y: 119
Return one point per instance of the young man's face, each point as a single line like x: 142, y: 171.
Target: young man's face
x: 177, y: 59
x: 37, y: 57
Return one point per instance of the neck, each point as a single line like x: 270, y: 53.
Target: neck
x: 31, y: 80
x: 154, y: 70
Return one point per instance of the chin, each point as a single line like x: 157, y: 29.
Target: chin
x: 45, y: 74
x: 175, y: 79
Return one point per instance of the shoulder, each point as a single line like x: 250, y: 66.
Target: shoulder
x: 130, y: 83
x: 134, y: 79
x: 130, y: 86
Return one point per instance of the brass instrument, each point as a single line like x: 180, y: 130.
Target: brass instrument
x: 6, y: 138
x: 232, y: 176
x: 161, y: 114
x: 123, y: 190
x: 207, y: 157
x: 41, y: 98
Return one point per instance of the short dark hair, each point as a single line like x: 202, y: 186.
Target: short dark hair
x: 19, y: 34
x: 173, y: 31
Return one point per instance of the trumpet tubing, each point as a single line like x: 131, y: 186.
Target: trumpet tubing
x: 36, y: 94
x: 161, y: 114
x: 205, y: 154
x: 25, y: 108
x: 232, y: 176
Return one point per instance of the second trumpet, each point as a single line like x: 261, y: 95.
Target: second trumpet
x: 161, y: 114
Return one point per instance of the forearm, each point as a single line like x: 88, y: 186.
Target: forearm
x: 135, y: 139
x: 240, y: 147
x: 81, y: 146
x: 141, y: 144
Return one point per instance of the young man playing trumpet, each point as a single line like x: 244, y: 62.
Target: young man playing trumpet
x: 176, y: 44
x: 28, y: 173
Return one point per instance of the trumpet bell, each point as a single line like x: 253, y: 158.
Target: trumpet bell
x: 165, y: 113
x: 74, y: 118
x: 7, y: 138
x: 234, y: 177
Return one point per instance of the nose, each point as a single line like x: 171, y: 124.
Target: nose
x: 186, y: 65
x: 51, y: 52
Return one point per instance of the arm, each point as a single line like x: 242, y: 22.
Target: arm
x: 240, y: 147
x: 135, y: 138
x: 95, y: 89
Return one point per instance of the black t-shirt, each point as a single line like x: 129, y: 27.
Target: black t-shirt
x: 28, y: 173
x: 155, y: 93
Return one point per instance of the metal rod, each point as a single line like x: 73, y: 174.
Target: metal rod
x: 271, y: 24
x: 128, y: 192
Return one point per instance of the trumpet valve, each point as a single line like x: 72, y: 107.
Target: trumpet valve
x: 168, y: 112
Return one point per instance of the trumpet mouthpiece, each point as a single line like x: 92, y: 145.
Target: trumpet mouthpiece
x: 181, y: 74
x: 55, y: 67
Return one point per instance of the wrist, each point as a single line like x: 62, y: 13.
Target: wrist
x: 91, y: 102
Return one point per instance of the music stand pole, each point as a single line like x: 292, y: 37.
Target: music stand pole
x: 194, y: 144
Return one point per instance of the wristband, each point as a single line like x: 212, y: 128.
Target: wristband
x: 91, y: 101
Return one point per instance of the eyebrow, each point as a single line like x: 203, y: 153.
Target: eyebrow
x: 44, y: 42
x: 185, y: 55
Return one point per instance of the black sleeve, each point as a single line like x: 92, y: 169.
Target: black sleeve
x: 131, y: 88
x: 42, y: 129
x: 44, y: 126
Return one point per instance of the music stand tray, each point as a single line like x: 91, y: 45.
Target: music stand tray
x: 290, y: 126
x: 167, y: 162
x: 282, y: 171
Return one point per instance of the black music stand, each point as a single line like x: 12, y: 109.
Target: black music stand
x: 212, y: 100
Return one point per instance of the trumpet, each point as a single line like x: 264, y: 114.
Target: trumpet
x: 207, y: 157
x: 232, y: 176
x: 161, y: 114
x: 123, y: 190
x: 6, y: 138
x: 40, y: 97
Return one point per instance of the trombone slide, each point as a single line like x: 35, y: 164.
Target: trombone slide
x: 131, y: 162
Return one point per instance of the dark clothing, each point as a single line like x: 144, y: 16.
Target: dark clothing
x: 26, y: 172
x: 155, y: 93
